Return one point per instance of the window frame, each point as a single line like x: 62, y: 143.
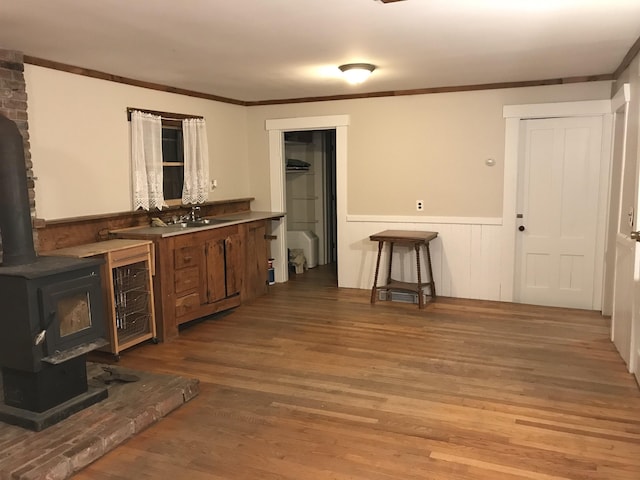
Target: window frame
x: 170, y: 120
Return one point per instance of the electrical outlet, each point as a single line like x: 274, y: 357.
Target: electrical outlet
x: 419, y: 205
x: 214, y: 184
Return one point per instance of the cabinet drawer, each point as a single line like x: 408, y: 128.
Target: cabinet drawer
x: 186, y: 279
x: 187, y: 304
x: 186, y: 256
x: 130, y: 255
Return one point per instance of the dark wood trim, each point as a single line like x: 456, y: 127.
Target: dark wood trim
x: 87, y: 72
x: 70, y: 232
x: 169, y: 117
x: 425, y: 91
x: 628, y: 58
x: 40, y: 223
x: 390, y: 93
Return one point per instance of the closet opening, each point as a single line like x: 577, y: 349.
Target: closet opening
x: 310, y: 193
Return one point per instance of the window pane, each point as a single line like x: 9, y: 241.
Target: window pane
x: 172, y: 180
x: 172, y: 145
x: 172, y: 152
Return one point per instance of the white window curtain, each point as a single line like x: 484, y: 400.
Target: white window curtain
x: 146, y: 160
x: 196, y: 161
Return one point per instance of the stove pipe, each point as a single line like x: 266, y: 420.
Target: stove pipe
x: 15, y: 213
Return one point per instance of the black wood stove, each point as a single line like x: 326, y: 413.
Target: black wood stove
x: 51, y: 311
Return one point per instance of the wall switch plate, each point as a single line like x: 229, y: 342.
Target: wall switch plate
x: 419, y: 205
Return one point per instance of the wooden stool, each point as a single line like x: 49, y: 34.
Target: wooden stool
x: 412, y: 239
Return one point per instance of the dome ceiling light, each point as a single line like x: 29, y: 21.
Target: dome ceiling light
x: 356, y: 73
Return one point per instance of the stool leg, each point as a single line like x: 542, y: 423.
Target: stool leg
x: 375, y: 276
x: 390, y: 262
x: 420, y: 296
x: 432, y: 284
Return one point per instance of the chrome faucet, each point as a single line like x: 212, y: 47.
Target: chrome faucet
x: 195, y: 214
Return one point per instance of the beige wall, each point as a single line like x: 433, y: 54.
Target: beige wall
x: 428, y: 147
x: 79, y: 137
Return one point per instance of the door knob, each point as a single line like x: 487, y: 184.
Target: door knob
x: 635, y: 236
x: 521, y: 228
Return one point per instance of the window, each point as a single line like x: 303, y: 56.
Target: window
x: 173, y: 164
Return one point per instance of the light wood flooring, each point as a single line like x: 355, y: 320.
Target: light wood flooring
x: 312, y: 382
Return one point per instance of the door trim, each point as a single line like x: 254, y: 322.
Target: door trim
x: 513, y: 114
x: 276, y: 129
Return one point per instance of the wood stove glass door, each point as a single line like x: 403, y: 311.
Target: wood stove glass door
x: 71, y: 313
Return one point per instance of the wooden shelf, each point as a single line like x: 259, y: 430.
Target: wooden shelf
x: 404, y: 286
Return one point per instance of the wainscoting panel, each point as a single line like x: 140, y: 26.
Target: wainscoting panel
x: 465, y: 258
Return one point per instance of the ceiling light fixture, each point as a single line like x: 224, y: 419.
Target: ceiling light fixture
x: 355, y: 73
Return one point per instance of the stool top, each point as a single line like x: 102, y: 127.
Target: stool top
x: 403, y: 236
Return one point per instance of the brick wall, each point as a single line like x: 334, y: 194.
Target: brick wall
x: 13, y: 104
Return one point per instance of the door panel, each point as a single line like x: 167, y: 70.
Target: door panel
x: 626, y: 255
x: 559, y: 188
x: 216, y: 289
x: 233, y: 262
x: 623, y: 298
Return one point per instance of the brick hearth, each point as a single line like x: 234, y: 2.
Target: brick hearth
x: 63, y: 449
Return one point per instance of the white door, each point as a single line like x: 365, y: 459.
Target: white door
x: 559, y: 188
x: 624, y: 245
x: 627, y: 254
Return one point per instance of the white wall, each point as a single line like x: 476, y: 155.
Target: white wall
x: 79, y: 137
x: 301, y: 187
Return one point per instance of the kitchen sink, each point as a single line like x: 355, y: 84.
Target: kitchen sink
x: 203, y: 222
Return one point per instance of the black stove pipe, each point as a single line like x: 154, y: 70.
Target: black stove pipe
x: 15, y: 213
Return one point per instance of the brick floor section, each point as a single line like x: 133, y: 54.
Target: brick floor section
x: 59, y: 451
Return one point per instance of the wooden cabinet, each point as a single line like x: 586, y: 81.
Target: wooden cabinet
x: 128, y: 289
x: 205, y: 271
x: 200, y: 274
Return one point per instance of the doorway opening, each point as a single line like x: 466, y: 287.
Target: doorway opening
x: 310, y: 199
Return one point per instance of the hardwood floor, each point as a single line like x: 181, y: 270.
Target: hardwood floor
x: 312, y: 382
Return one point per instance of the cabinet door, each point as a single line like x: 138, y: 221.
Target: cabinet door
x: 233, y: 262
x: 216, y: 288
x: 255, y: 261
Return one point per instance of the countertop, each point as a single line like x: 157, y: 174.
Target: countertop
x: 170, y: 231
x: 98, y: 248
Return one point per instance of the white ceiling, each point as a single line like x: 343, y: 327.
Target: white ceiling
x: 253, y: 50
